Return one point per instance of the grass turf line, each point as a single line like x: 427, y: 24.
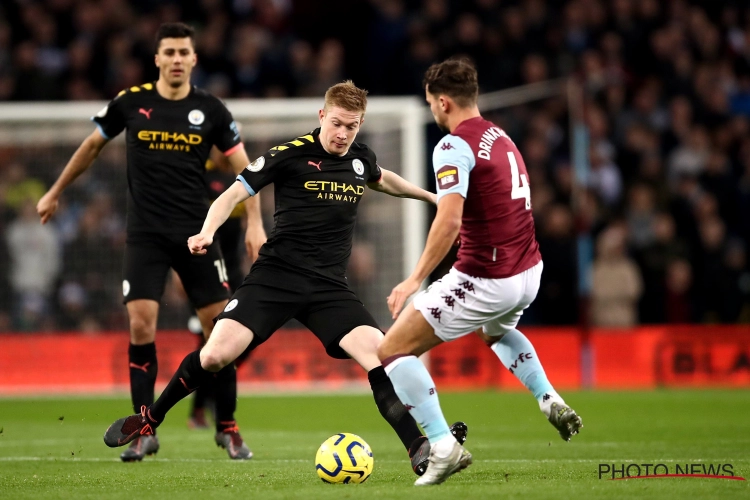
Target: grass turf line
x: 517, y: 453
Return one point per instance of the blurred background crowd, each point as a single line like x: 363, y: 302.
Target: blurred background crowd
x: 667, y: 108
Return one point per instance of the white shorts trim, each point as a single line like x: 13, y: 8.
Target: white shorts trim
x: 458, y: 304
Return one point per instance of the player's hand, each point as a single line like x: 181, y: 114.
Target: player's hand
x: 47, y: 206
x: 255, y: 237
x: 400, y: 294
x: 198, y: 243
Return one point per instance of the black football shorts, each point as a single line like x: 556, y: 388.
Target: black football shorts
x: 273, y: 293
x: 148, y: 258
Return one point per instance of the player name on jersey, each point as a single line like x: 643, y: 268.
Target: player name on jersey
x: 481, y: 163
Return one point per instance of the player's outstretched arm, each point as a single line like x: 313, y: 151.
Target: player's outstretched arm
x: 217, y: 215
x: 255, y: 235
x: 443, y: 234
x: 395, y: 185
x: 78, y: 163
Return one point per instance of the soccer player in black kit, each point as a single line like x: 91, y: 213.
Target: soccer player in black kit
x: 219, y: 176
x: 319, y: 180
x: 171, y: 128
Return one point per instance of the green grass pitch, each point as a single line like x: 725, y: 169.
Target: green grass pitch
x: 52, y: 448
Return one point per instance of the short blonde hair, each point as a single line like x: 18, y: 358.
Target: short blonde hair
x: 347, y: 96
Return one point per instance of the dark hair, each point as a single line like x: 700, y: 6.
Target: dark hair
x: 174, y: 30
x: 455, y: 77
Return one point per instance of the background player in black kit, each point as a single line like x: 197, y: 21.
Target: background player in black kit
x: 319, y: 180
x: 219, y: 176
x: 171, y: 128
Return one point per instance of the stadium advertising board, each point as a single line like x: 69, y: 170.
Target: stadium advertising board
x: 641, y: 358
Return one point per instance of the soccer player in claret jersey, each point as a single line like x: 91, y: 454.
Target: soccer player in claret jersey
x: 483, y: 195
x: 319, y: 179
x: 171, y: 128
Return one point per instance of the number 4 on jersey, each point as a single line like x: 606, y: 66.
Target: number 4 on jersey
x: 519, y: 187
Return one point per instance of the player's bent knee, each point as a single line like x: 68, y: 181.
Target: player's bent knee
x: 141, y: 330
x: 488, y: 339
x: 386, y: 349
x: 212, y: 361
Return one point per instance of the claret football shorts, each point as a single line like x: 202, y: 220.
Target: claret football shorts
x: 459, y: 304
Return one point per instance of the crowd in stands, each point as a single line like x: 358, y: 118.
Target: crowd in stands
x: 667, y: 86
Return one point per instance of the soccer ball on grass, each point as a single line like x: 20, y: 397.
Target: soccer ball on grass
x: 344, y: 458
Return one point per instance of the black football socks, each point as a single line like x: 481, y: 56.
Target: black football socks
x: 186, y: 379
x: 392, y: 409
x: 143, y: 368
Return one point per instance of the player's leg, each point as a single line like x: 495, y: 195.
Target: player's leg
x: 441, y: 313
x: 224, y: 391
x: 145, y: 269
x: 227, y: 341
x: 229, y: 237
x: 267, y: 299
x: 518, y: 355
x: 347, y: 330
x: 224, y: 386
x: 142, y: 361
x: 361, y: 345
x: 204, y: 278
x: 202, y: 400
x: 408, y: 338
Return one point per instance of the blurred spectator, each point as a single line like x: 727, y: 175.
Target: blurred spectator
x: 679, y: 300
x: 605, y: 178
x: 17, y: 188
x: 640, y: 215
x: 328, y: 69
x: 709, y: 268
x: 617, y: 284
x: 717, y: 180
x: 653, y: 259
x: 556, y: 302
x: 93, y: 263
x: 734, y: 287
x: 690, y: 157
x: 74, y: 314
x: 667, y: 107
x: 35, y: 264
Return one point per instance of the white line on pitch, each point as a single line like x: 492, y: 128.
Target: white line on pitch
x: 279, y: 460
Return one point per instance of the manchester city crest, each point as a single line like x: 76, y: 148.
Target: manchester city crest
x: 196, y: 117
x: 257, y: 164
x: 358, y: 167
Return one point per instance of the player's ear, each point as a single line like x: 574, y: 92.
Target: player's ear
x: 444, y: 103
x: 321, y: 115
x: 156, y: 59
